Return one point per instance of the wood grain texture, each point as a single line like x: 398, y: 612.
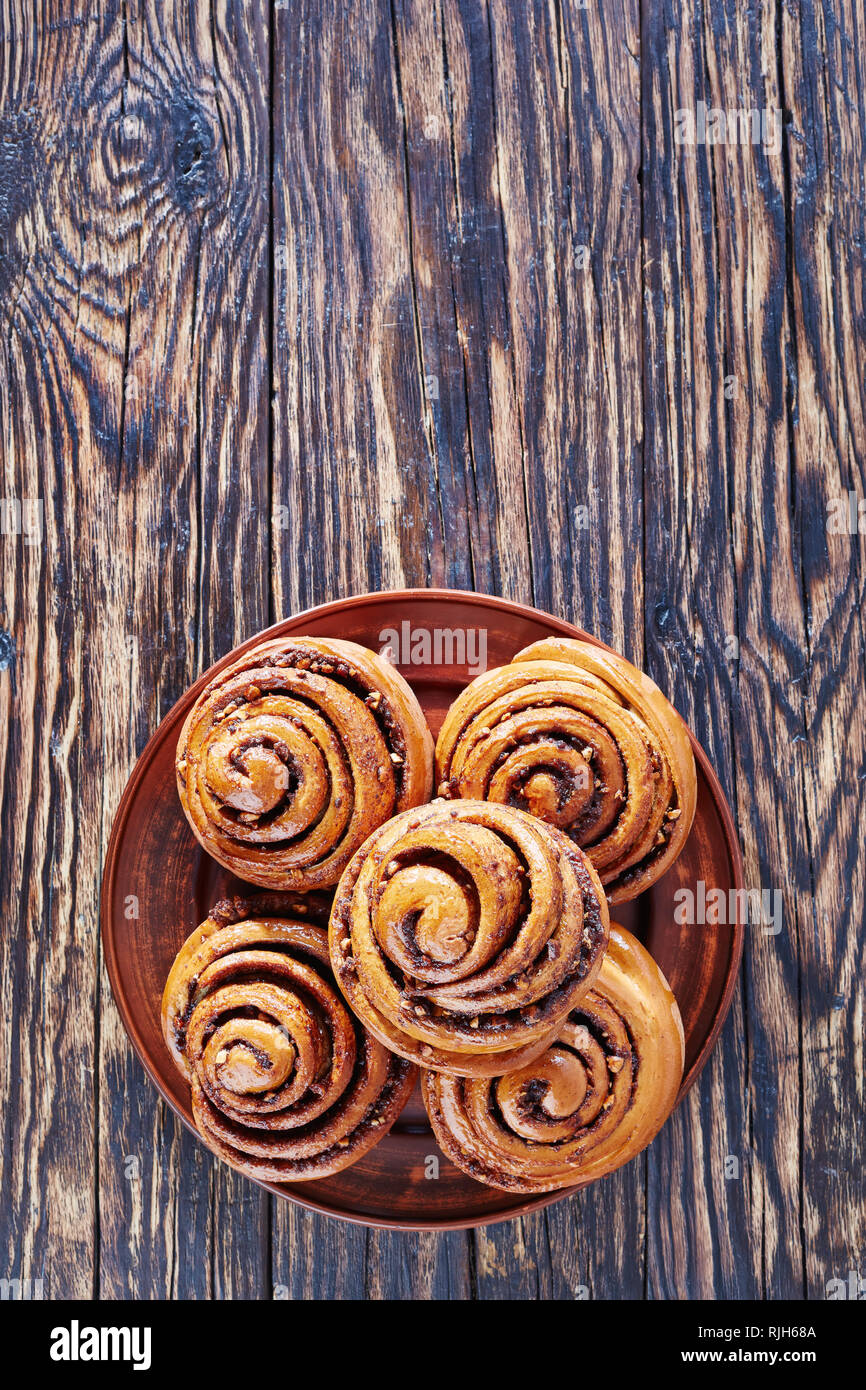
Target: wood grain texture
x: 827, y: 408
x: 303, y: 300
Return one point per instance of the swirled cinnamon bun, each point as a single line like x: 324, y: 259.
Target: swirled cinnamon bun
x: 293, y: 754
x: 591, y: 1101
x: 463, y: 933
x: 581, y: 738
x: 286, y: 1085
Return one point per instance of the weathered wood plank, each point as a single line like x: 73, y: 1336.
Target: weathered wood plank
x: 725, y: 617
x: 315, y: 1257
x: 198, y: 82
x: 427, y: 1266
x: 822, y: 65
x: 565, y: 188
x: 343, y: 340
x: 697, y: 339
x: 566, y: 179
x: 52, y: 423
x: 135, y: 305
x: 352, y: 460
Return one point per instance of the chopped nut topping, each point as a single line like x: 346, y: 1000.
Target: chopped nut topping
x: 588, y: 752
x: 675, y: 814
x: 396, y: 759
x: 615, y: 1064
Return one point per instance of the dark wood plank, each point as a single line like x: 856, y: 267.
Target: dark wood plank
x: 206, y: 293
x: 716, y: 439
x: 823, y: 67
x: 135, y: 347
x: 314, y: 1257
x: 351, y: 453
x: 566, y: 179
x: 232, y: 346
x: 569, y: 210
x: 336, y: 473
x: 52, y: 418
x: 428, y: 1266
x: 749, y: 276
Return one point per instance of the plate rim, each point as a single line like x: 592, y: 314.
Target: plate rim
x: 286, y: 1191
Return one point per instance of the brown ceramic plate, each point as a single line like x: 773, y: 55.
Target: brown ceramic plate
x: 153, y: 857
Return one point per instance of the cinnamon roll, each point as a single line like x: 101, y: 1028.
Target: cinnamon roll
x: 286, y: 1084
x: 581, y: 738
x: 462, y: 934
x: 293, y: 754
x: 594, y: 1098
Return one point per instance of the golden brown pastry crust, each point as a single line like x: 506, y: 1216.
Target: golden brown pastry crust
x: 463, y: 933
x: 286, y: 1084
x: 594, y: 1098
x: 581, y: 738
x: 295, y: 753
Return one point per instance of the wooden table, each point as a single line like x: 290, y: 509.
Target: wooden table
x: 307, y: 299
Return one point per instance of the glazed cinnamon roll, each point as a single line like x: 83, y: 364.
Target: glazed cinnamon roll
x: 286, y: 1084
x: 292, y: 755
x: 594, y: 1098
x: 462, y: 934
x: 581, y: 738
